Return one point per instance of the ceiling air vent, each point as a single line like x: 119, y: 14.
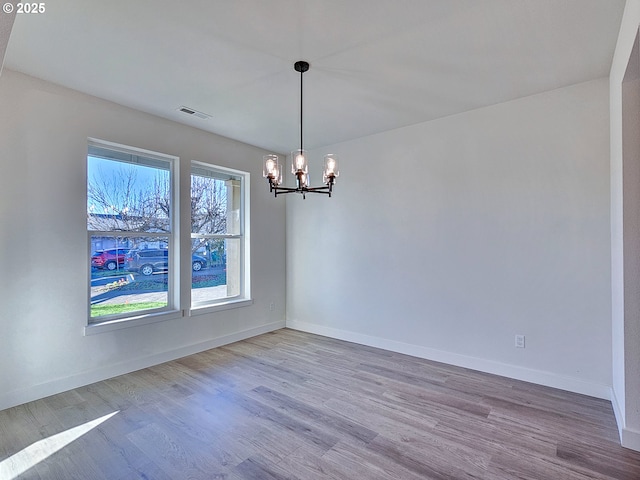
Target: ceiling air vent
x: 195, y: 113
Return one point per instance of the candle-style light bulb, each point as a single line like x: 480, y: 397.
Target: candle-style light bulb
x: 270, y: 164
x: 271, y: 169
x: 299, y: 162
x: 331, y: 165
x: 330, y: 171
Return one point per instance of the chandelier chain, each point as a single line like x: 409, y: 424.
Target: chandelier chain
x: 301, y: 106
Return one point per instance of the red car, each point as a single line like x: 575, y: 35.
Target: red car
x: 109, y: 259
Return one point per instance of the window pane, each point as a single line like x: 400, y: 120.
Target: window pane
x: 129, y: 223
x: 132, y: 196
x: 216, y: 234
x: 219, y: 278
x: 128, y: 274
x: 215, y: 203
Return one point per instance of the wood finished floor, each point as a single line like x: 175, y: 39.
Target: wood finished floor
x: 290, y: 405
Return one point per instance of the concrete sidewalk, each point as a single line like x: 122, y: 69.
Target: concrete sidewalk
x: 116, y: 298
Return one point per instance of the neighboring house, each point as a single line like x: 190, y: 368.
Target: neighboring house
x: 103, y: 222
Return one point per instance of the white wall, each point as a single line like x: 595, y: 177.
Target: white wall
x: 43, y: 242
x: 446, y: 239
x: 625, y: 209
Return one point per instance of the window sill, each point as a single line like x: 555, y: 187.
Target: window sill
x: 111, y: 325
x: 122, y: 323
x: 228, y: 305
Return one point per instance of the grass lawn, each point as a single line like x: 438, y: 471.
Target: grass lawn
x: 145, y: 285
x: 101, y: 310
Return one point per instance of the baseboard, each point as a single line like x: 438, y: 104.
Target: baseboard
x: 630, y: 439
x: 35, y: 392
x: 487, y: 366
x: 618, y: 412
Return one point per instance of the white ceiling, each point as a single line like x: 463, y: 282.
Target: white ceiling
x: 376, y: 65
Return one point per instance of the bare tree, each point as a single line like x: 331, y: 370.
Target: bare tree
x: 208, y: 211
x: 116, y: 201
x: 208, y: 205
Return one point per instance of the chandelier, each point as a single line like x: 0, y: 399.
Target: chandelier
x: 273, y: 172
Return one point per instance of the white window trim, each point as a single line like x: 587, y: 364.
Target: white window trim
x: 244, y: 297
x: 178, y: 307
x: 172, y: 310
x: 133, y: 321
x: 220, y: 306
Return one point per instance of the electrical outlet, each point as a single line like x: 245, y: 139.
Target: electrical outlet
x: 519, y: 341
x: 272, y: 307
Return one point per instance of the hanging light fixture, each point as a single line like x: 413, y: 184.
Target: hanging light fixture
x: 272, y: 169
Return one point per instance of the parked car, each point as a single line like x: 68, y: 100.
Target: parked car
x: 109, y: 259
x: 150, y: 261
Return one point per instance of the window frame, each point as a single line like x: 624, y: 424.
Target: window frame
x: 173, y: 308
x: 244, y: 296
x: 179, y: 305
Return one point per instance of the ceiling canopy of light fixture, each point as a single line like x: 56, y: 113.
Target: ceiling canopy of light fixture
x: 299, y: 167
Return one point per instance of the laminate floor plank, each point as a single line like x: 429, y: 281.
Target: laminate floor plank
x: 382, y: 417
x: 291, y: 405
x: 308, y: 464
x: 112, y: 457
x: 345, y: 384
x: 259, y: 468
x: 320, y: 418
x: 266, y: 368
x: 25, y: 425
x: 346, y: 461
x: 534, y: 421
x: 63, y: 467
x: 438, y: 461
x: 273, y: 418
x: 508, y: 467
x: 175, y: 455
x: 256, y: 427
x: 493, y: 438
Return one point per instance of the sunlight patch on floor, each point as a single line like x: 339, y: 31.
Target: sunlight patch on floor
x: 17, y: 464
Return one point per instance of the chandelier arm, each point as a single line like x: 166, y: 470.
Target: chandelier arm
x: 325, y: 189
x: 322, y: 189
x: 280, y: 191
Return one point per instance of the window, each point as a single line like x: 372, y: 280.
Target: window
x: 136, y: 255
x: 129, y: 215
x: 217, y: 235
